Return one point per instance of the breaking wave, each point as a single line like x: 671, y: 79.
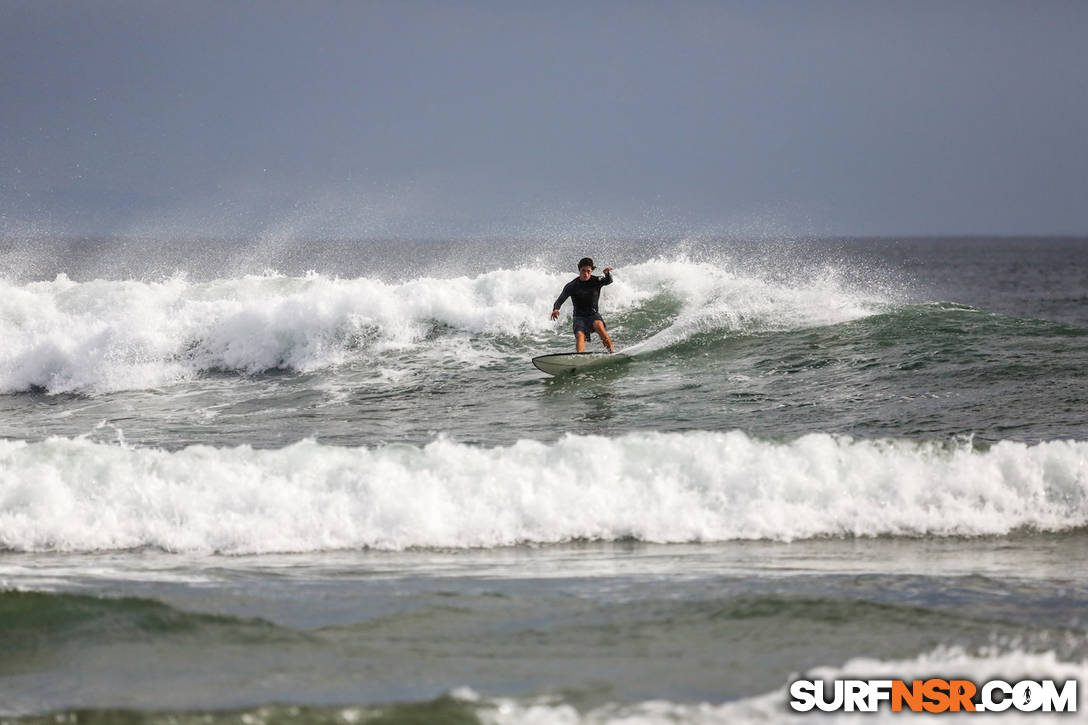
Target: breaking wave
x: 1010, y: 665
x: 102, y: 336
x: 77, y: 495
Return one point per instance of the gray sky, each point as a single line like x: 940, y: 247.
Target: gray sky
x: 535, y: 119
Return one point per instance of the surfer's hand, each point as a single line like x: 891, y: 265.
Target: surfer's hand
x: 555, y: 314
x: 607, y: 270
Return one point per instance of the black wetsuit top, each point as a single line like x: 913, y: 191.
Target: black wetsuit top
x: 583, y: 295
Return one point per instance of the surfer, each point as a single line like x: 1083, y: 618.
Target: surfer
x: 584, y: 292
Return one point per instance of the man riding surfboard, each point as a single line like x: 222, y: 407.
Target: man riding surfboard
x: 584, y: 292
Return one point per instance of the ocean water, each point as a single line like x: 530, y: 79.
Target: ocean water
x: 276, y: 481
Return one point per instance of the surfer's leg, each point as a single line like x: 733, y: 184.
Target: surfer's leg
x: 580, y: 342
x: 598, y: 327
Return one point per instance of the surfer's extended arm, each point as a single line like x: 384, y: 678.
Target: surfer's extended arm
x: 607, y: 279
x: 562, y: 298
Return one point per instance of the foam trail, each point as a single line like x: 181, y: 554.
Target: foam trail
x: 77, y: 495
x: 103, y: 336
x: 1010, y: 666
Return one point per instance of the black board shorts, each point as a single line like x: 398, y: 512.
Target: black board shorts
x: 585, y: 324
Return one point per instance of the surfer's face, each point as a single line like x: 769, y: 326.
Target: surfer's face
x: 584, y: 272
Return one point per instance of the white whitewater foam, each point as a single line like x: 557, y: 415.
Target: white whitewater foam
x: 719, y: 298
x: 77, y: 495
x: 772, y: 707
x: 102, y: 336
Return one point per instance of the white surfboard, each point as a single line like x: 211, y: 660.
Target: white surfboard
x: 564, y: 363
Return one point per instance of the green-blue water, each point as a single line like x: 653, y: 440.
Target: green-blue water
x: 322, y: 482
